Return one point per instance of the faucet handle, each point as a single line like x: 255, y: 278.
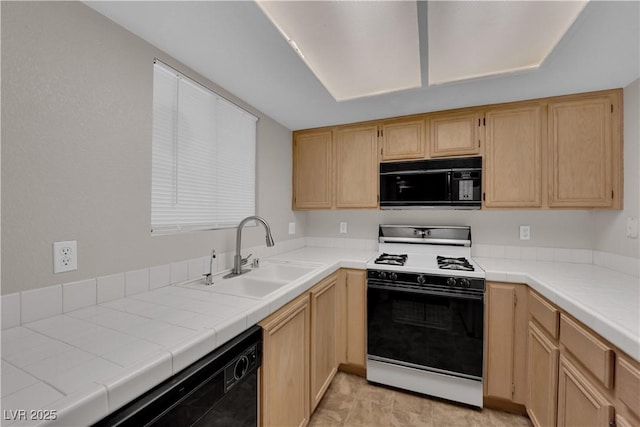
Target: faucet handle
x: 245, y: 260
x: 208, y: 279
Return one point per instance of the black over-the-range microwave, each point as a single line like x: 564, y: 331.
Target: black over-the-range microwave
x: 453, y: 183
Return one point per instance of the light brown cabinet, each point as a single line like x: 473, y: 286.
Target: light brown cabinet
x: 513, y: 157
x: 313, y: 170
x: 324, y: 337
x: 585, y: 151
x: 551, y: 153
x: 335, y: 168
x: 403, y: 139
x: 284, y: 375
x: 506, y: 369
x: 356, y: 165
x: 628, y: 386
x: 454, y: 133
x: 356, y: 318
x: 542, y: 379
x: 579, y: 401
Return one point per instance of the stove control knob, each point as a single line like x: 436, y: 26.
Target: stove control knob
x: 421, y: 279
x: 451, y: 281
x: 465, y: 282
x: 393, y: 276
x: 382, y: 275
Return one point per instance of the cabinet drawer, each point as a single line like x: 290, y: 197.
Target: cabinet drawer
x: 628, y: 385
x: 545, y: 314
x: 593, y: 353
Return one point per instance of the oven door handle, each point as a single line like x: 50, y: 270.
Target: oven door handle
x: 426, y: 291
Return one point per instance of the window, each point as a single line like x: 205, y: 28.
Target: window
x: 203, y: 161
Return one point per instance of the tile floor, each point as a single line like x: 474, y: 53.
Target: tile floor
x: 352, y: 401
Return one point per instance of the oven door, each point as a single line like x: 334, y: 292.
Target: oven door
x: 428, y: 330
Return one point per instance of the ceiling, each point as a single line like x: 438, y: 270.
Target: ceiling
x: 235, y: 45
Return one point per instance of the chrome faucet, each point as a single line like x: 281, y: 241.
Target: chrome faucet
x: 238, y: 261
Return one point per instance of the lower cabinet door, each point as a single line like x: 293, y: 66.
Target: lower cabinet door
x: 356, y: 318
x: 324, y: 337
x: 579, y: 401
x: 285, y: 367
x: 542, y: 378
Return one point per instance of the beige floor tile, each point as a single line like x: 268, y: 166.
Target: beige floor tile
x: 413, y: 403
x: 351, y: 401
x: 409, y: 419
x: 368, y: 413
x: 381, y: 396
x: 336, y: 406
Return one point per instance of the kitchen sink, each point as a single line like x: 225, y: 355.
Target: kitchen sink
x: 273, y: 271
x: 245, y: 286
x: 257, y: 283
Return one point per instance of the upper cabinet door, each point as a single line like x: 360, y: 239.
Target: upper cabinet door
x: 454, y: 133
x: 403, y: 140
x: 312, y: 170
x: 584, y: 152
x: 357, y: 167
x: 513, y: 164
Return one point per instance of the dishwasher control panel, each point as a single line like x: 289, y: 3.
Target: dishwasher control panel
x: 236, y: 370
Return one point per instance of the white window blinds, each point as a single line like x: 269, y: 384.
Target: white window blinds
x: 203, y: 157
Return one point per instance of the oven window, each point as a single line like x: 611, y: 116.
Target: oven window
x: 401, y: 188
x: 436, y: 332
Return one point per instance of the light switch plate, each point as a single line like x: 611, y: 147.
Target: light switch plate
x: 292, y: 228
x: 525, y: 232
x: 343, y: 228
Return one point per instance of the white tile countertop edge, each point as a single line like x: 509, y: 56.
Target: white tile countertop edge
x: 605, y: 300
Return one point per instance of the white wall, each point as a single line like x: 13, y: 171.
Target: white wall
x: 76, y: 150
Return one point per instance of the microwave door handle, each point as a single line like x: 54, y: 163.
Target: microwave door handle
x: 449, y: 189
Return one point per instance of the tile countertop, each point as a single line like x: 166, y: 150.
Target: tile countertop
x: 84, y: 364
x: 604, y: 300
x: 87, y: 363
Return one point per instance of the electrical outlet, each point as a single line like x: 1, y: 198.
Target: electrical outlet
x: 65, y: 256
x: 525, y: 232
x: 292, y: 228
x: 343, y: 228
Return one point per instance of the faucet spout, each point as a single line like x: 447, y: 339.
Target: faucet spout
x: 237, y: 259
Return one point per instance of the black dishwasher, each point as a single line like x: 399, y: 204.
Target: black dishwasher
x: 221, y: 389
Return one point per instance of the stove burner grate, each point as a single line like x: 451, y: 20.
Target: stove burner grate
x: 392, y: 259
x: 447, y: 263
